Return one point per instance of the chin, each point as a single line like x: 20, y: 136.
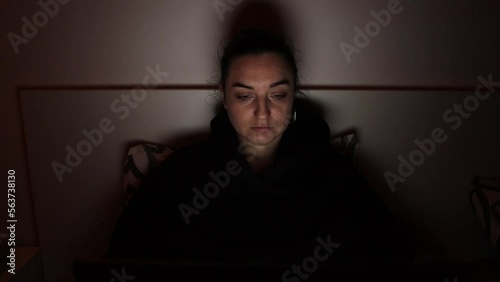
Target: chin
x: 262, y: 140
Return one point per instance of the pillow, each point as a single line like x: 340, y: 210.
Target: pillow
x: 141, y: 159
x: 346, y: 144
x: 485, y: 201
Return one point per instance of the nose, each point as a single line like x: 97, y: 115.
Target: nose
x: 262, y: 110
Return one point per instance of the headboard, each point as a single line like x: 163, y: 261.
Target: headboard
x: 76, y: 141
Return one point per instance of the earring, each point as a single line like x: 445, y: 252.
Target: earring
x: 294, y: 116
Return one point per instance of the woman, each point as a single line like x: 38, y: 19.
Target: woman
x: 266, y: 186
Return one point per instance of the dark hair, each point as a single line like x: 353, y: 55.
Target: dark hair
x: 257, y: 42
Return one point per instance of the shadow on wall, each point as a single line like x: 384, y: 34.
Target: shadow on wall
x: 257, y: 14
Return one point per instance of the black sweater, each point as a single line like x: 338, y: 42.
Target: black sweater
x: 205, y: 202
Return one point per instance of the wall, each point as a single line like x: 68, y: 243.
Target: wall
x: 428, y: 43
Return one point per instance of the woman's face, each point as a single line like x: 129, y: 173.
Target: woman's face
x: 258, y: 97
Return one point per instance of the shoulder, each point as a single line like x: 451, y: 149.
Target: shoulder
x: 338, y: 157
x: 179, y: 170
x: 190, y: 157
x: 342, y: 171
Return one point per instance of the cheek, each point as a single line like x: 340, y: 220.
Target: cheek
x: 282, y: 115
x: 239, y: 118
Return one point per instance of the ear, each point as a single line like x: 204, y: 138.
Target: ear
x: 222, y: 96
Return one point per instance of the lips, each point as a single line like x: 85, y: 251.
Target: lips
x: 261, y: 128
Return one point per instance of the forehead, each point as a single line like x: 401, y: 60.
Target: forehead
x: 262, y: 66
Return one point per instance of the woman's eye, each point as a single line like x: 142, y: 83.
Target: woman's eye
x: 243, y: 97
x: 279, y: 96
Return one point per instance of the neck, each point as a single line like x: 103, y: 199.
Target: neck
x: 260, y: 157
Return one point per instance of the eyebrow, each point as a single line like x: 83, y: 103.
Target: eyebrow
x: 275, y: 84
